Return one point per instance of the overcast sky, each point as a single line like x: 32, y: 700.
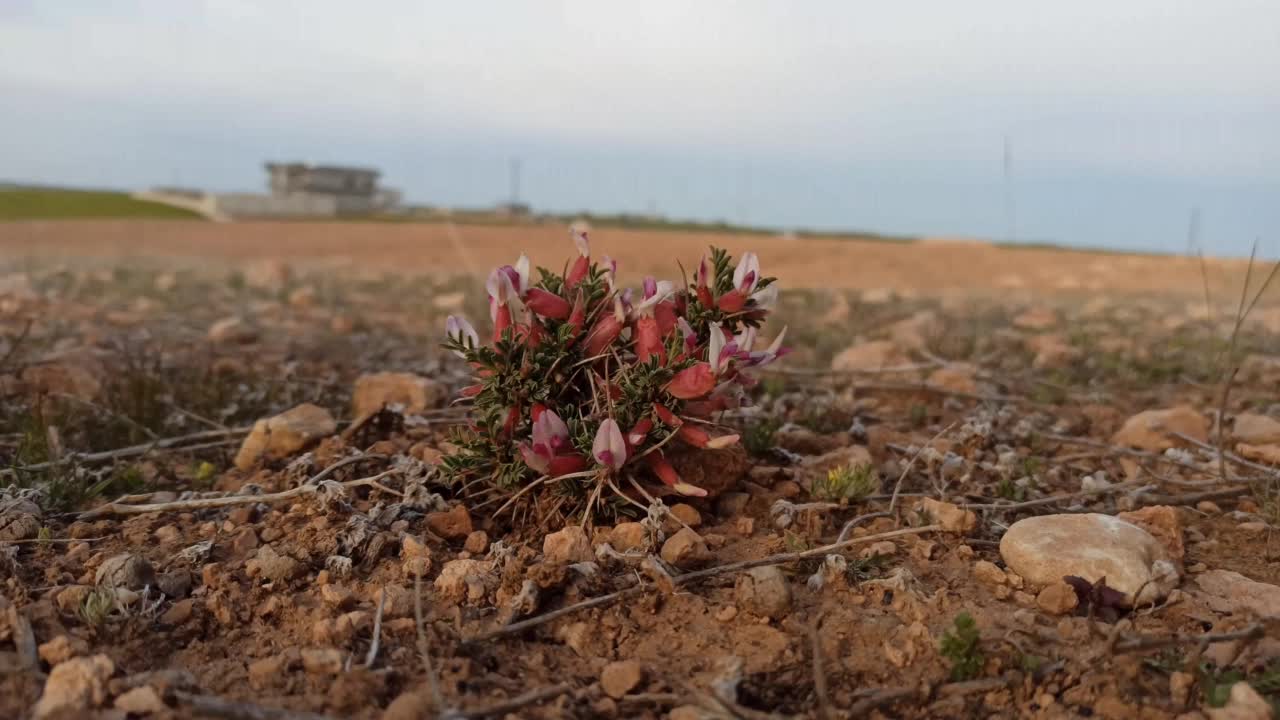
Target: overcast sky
x: 891, y: 117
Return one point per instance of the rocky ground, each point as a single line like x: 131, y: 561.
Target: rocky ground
x: 221, y: 500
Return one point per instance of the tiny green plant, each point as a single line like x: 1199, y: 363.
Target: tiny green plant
x: 586, y: 382
x: 961, y: 645
x: 97, y: 606
x: 846, y: 483
x: 757, y: 437
x: 45, y: 535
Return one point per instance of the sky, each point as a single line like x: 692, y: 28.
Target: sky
x: 1121, y: 119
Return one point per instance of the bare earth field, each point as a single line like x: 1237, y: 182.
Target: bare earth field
x: 982, y: 410
x: 444, y: 248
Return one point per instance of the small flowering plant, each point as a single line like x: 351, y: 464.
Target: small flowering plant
x: 583, y: 379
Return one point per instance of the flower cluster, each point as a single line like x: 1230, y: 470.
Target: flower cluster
x: 585, y: 378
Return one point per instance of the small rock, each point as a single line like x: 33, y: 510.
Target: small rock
x: 263, y: 673
x: 567, y: 546
x: 399, y: 601
x: 322, y: 661
x: 414, y: 393
x: 1208, y: 507
x: 686, y: 514
x: 126, y: 570
x: 1229, y: 591
x: 453, y: 524
x: 1150, y: 430
x: 727, y: 613
x: 273, y: 566
x: 74, y: 687
x: 1180, y: 684
x: 1164, y: 523
x: 1092, y: 546
x: 1243, y: 703
x: 142, y: 700
x: 62, y: 378
x: 1057, y: 598
x: 1036, y: 318
x: 242, y: 542
x: 167, y: 534
x: 410, y: 706
x: 732, y: 504
x: 627, y: 536
x: 62, y: 649
x: 477, y: 542
x: 1256, y: 429
x: 1051, y: 351
x: 175, y: 583
x: 232, y: 331
x: 685, y: 549
x: 336, y: 596
x: 285, y: 434
x: 179, y: 613
x: 884, y: 548
x: 621, y: 677
x: 242, y: 515
x: 17, y: 526
x: 1267, y: 454
x: 686, y: 712
x: 303, y: 297
x: 951, y: 517
x: 764, y: 591
x: 989, y: 573
x: 1255, y: 526
x: 957, y: 377
x: 875, y: 355
x: 468, y: 579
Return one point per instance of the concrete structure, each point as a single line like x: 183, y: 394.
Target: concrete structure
x: 297, y: 190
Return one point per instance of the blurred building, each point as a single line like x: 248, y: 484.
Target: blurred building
x: 297, y: 190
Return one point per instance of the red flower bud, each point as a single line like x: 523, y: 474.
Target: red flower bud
x: 577, y: 271
x: 565, y: 464
x: 578, y: 315
x: 547, y: 304
x: 732, y: 301
x: 649, y: 340
x: 692, y: 382
x: 606, y: 330
x: 667, y: 417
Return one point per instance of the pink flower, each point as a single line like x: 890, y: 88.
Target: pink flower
x: 747, y: 273
x: 501, y: 293
x: 460, y: 331
x: 583, y: 264
x: 610, y: 448
x: 720, y: 351
x: 549, y: 451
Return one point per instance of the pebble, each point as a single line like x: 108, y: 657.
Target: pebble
x: 764, y: 591
x: 284, y: 434
x: 884, y: 548
x: 621, y: 677
x: 568, y: 546
x: 989, y: 573
x: 685, y: 549
x: 1092, y: 546
x: 336, y: 596
x: 126, y: 570
x: 477, y: 542
x: 950, y: 516
x: 322, y: 661
x: 1149, y: 430
x: 142, y: 700
x: 74, y: 687
x: 627, y: 536
x: 1228, y: 591
x: 413, y: 392
x: 1208, y: 506
x: 687, y: 514
x: 61, y: 649
x: 453, y: 524
x: 412, y: 705
x: 178, y: 613
x: 1057, y: 598
x: 273, y: 566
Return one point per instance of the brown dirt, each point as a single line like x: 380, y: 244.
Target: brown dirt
x: 248, y: 626
x: 928, y: 266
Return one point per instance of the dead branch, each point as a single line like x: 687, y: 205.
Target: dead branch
x: 231, y: 501
x: 893, y: 501
x: 173, y: 443
x: 819, y: 672
x: 1256, y: 631
x: 1056, y: 499
x: 232, y: 710
x: 1223, y: 453
x: 377, y: 630
x: 423, y: 649
x: 519, y: 701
